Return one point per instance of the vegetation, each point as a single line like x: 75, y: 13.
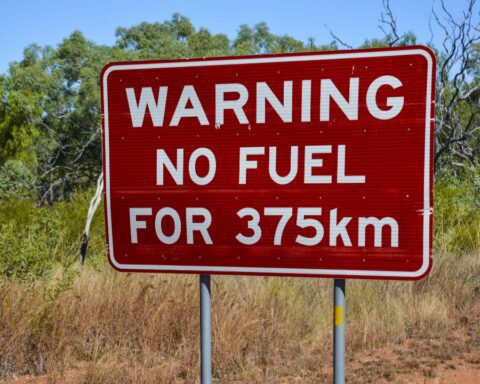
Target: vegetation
x: 130, y: 328
x: 36, y: 239
x: 50, y: 106
x: 457, y: 216
x: 50, y: 103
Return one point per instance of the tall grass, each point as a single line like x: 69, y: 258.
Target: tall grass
x: 144, y: 328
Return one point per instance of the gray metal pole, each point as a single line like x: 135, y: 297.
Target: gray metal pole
x: 339, y: 331
x: 205, y: 330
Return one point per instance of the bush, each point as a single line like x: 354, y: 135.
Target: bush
x: 457, y: 215
x: 33, y: 239
x: 15, y: 180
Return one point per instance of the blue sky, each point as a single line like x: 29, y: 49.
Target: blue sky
x: 23, y: 22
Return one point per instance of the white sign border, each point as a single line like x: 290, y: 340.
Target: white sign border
x: 279, y: 271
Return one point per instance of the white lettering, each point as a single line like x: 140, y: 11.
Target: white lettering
x: 177, y: 225
x: 264, y: 94
x: 272, y: 166
x: 341, y: 177
x: 306, y: 100
x: 339, y: 229
x: 248, y: 164
x: 137, y: 224
x: 329, y: 90
x: 175, y: 171
x: 236, y: 105
x: 395, y: 103
x: 189, y: 94
x: 310, y: 163
x: 303, y: 222
x: 201, y: 227
x: 212, y: 166
x: 378, y: 225
x: 137, y: 110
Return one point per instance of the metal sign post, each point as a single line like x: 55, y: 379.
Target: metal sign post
x: 205, y: 330
x: 339, y: 331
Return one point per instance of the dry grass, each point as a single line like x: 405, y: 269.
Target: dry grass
x: 125, y: 328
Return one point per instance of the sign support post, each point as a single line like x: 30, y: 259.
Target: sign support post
x: 339, y: 331
x: 205, y: 330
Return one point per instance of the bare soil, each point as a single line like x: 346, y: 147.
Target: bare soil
x: 454, y: 359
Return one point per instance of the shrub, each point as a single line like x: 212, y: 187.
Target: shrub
x: 457, y: 215
x: 15, y: 180
x: 33, y: 239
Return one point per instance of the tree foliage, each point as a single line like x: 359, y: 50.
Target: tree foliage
x: 50, y: 103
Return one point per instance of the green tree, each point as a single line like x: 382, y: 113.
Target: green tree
x: 50, y: 101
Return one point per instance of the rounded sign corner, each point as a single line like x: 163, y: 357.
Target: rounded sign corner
x: 427, y: 52
x: 424, y: 270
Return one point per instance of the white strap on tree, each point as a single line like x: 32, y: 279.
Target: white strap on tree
x: 94, y: 202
